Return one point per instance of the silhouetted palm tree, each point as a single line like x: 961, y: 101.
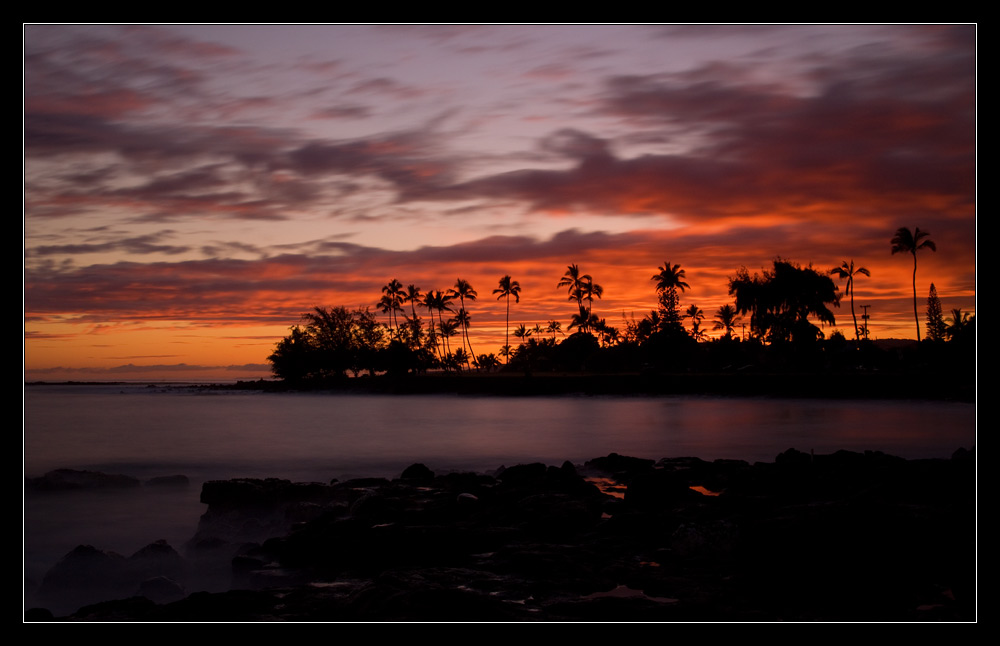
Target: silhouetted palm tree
x: 591, y: 290
x: 670, y: 277
x: 584, y: 321
x: 553, y: 327
x: 847, y: 270
x: 957, y: 324
x: 522, y: 332
x: 909, y: 242
x: 456, y: 360
x: 668, y: 281
x: 392, y: 298
x: 696, y: 315
x: 725, y: 319
x: 463, y: 290
x: 487, y: 362
x: 464, y: 320
x: 506, y: 289
x: 448, y: 329
x: 412, y: 296
x: 574, y: 281
x: 435, y: 301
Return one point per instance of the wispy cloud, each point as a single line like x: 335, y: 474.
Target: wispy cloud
x: 244, y: 174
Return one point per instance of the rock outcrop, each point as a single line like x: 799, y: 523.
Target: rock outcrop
x: 846, y: 537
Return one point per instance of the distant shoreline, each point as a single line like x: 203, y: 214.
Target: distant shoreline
x: 861, y: 386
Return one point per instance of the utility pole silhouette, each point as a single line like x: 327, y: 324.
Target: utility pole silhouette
x: 865, y: 317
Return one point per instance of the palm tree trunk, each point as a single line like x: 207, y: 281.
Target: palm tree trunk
x: 472, y: 353
x: 916, y: 318
x: 857, y: 335
x: 507, y: 331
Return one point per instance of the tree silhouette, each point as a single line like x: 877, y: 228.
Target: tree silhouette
x: 847, y: 271
x: 669, y: 279
x: 584, y: 321
x: 329, y: 343
x: 589, y: 291
x: 522, y: 332
x: 506, y: 289
x: 581, y: 287
x: 936, y: 329
x: 906, y: 241
x: 463, y: 290
x: 435, y: 301
x: 670, y: 276
x: 464, y: 321
x: 412, y: 296
x: 448, y: 329
x: 574, y: 281
x: 696, y: 315
x: 726, y: 318
x: 392, y: 299
x: 487, y: 362
x: 958, y: 324
x: 780, y: 301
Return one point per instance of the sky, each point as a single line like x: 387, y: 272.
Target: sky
x: 191, y: 190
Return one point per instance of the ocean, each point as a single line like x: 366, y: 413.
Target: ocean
x: 151, y: 431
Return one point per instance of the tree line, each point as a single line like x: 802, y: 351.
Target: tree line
x: 780, y: 305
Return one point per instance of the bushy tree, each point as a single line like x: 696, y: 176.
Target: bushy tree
x: 935, y: 319
x: 781, y: 300
x: 329, y: 343
x: 668, y: 280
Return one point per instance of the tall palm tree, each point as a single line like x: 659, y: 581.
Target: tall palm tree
x: 464, y: 320
x: 847, y: 271
x: 574, y: 281
x: 909, y: 242
x: 412, y: 296
x: 590, y: 290
x: 448, y: 329
x: 670, y: 277
x: 463, y: 290
x: 392, y: 299
x: 506, y: 289
x: 435, y: 301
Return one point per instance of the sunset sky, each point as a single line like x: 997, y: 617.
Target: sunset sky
x: 189, y: 191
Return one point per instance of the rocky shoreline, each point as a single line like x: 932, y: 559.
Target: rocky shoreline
x: 841, y: 537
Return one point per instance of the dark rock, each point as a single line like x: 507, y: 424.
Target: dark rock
x: 524, y: 475
x: 161, y: 589
x: 126, y: 609
x: 841, y: 537
x: 38, y: 614
x: 157, y: 559
x: 71, y: 480
x: 622, y: 465
x: 417, y: 473
x: 84, y: 574
x: 658, y: 489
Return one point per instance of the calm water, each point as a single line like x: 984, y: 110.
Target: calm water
x: 147, y: 432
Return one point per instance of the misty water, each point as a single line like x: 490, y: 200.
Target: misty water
x: 148, y: 432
